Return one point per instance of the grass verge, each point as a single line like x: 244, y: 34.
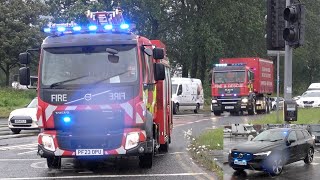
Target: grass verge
x: 11, y: 99
x: 200, y: 147
x: 305, y: 116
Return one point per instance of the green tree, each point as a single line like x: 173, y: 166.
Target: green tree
x: 19, y: 29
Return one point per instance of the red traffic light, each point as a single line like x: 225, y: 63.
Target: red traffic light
x: 291, y: 14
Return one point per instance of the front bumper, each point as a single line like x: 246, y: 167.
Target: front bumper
x: 136, y: 151
x: 230, y: 108
x: 26, y: 123
x: 256, y: 163
x: 67, y: 147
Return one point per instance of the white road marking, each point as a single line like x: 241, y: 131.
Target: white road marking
x: 23, y: 146
x: 33, y: 151
x: 2, y: 160
x: 181, y: 123
x: 108, y: 176
x: 173, y: 153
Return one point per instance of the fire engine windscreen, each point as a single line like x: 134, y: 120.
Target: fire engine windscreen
x: 229, y: 77
x: 85, y: 65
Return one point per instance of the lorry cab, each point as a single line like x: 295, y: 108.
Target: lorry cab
x: 187, y: 94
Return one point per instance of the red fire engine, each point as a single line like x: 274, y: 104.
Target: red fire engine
x: 103, y: 91
x: 242, y: 84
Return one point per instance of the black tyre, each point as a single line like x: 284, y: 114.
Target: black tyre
x: 238, y: 169
x: 164, y: 147
x: 145, y: 161
x: 54, y: 162
x: 175, y: 108
x: 16, y: 131
x: 274, y: 107
x: 197, y: 109
x: 309, y: 158
x: 276, y: 164
x: 217, y: 113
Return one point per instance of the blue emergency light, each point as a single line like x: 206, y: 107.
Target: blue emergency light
x: 66, y: 119
x: 100, y: 22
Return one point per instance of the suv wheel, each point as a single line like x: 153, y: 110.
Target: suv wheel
x: 309, y: 158
x: 276, y: 167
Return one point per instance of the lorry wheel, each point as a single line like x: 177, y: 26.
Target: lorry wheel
x: 54, y: 162
x: 145, y: 161
x: 16, y: 131
x: 197, y: 109
x: 164, y: 147
x: 217, y: 113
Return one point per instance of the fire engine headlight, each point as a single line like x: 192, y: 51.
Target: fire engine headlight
x: 48, y: 143
x: 214, y: 101
x: 132, y: 140
x: 244, y: 100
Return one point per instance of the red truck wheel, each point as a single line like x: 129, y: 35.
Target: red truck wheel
x: 54, y: 162
x: 146, y: 160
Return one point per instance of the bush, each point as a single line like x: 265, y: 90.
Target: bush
x: 15, y: 98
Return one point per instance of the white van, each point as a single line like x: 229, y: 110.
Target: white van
x: 187, y: 94
x: 243, y: 129
x: 314, y: 86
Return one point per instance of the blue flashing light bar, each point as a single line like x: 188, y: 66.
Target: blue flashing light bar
x: 93, y: 27
x: 108, y: 27
x: 77, y: 28
x: 61, y: 29
x: 47, y: 30
x: 74, y: 29
x: 124, y: 26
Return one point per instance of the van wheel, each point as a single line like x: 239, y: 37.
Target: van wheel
x: 217, y: 113
x: 16, y: 131
x: 197, y: 108
x: 175, y: 108
x: 54, y: 162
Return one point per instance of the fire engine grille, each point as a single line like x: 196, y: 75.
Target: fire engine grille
x: 90, y: 129
x: 107, y: 142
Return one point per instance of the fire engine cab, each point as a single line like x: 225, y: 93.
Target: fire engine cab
x: 102, y: 90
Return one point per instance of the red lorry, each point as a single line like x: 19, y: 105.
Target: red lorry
x: 103, y: 91
x: 242, y: 84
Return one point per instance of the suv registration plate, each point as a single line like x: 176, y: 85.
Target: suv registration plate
x: 243, y: 163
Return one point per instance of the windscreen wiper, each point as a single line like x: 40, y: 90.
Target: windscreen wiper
x: 68, y: 80
x: 107, y: 78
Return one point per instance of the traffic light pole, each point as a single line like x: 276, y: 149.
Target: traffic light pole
x: 288, y: 68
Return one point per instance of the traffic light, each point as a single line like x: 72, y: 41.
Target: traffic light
x: 275, y: 24
x: 295, y: 30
